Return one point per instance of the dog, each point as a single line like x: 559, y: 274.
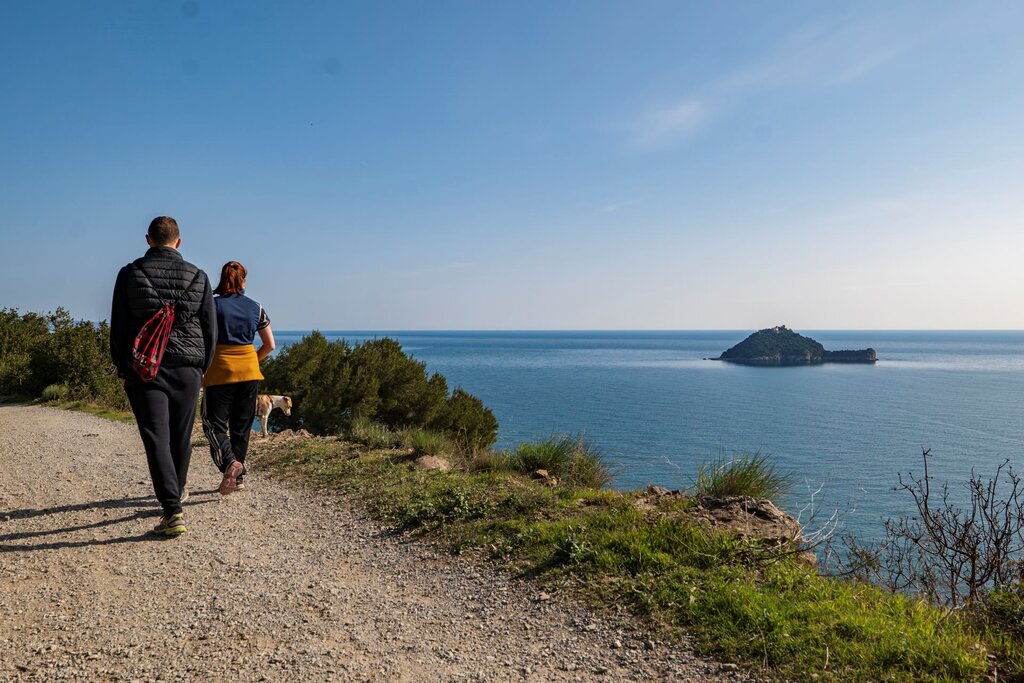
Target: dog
x: 266, y: 403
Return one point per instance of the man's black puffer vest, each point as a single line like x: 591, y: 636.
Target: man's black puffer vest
x: 167, y: 275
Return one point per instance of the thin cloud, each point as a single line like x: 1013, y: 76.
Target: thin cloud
x: 810, y: 57
x: 869, y: 63
x: 664, y: 126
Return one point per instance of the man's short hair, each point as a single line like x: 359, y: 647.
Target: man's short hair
x: 163, y: 230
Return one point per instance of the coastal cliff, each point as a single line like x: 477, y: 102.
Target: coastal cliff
x: 782, y: 346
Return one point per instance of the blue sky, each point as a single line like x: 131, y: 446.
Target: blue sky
x: 525, y: 165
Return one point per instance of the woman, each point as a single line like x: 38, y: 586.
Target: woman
x: 230, y: 385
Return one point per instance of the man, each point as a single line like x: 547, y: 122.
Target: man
x: 165, y: 407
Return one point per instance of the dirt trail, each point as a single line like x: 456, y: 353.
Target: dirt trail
x: 275, y: 583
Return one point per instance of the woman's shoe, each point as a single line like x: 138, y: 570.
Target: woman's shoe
x: 229, y: 483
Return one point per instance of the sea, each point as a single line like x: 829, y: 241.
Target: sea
x: 652, y: 404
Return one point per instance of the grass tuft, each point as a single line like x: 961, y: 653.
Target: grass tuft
x: 426, y: 441
x: 487, y: 461
x: 574, y: 461
x: 749, y: 474
x: 371, y: 434
x: 56, y: 392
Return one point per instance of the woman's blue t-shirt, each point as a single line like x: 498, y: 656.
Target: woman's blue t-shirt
x: 239, y: 318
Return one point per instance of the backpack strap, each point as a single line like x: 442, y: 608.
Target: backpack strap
x: 177, y: 299
x: 145, y: 276
x: 185, y: 291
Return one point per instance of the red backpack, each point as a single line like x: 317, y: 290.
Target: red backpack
x: 151, y: 341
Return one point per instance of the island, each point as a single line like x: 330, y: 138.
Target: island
x: 782, y: 346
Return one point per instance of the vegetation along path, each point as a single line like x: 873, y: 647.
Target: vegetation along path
x: 274, y: 583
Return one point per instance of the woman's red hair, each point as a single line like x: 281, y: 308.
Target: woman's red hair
x: 232, y: 279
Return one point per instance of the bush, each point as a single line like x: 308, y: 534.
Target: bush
x: 56, y: 392
x: 19, y: 335
x: 952, y: 553
x: 77, y: 354
x: 587, y: 468
x: 471, y: 424
x: 333, y: 384
x: 1003, y: 610
x: 37, y: 352
x: 575, y: 462
x: 746, y: 475
x: 372, y: 434
x: 315, y: 374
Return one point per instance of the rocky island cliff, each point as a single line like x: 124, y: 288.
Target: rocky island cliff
x: 782, y: 346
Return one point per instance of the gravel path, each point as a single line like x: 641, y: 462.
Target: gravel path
x: 276, y: 583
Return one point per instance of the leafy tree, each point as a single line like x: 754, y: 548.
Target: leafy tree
x: 38, y: 351
x: 19, y: 334
x: 471, y: 424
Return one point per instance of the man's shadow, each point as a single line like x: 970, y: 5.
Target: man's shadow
x: 148, y: 502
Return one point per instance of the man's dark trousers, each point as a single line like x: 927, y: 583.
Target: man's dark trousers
x: 165, y: 410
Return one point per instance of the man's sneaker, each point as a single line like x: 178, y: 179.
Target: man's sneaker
x: 171, y: 526
x: 229, y: 483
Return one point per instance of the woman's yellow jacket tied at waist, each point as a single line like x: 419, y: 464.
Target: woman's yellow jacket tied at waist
x: 233, y: 363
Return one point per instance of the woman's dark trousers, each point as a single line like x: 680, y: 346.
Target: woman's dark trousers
x: 228, y: 411
x: 165, y: 410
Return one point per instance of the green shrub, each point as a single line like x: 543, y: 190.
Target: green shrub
x: 552, y: 455
x: 425, y: 441
x: 37, y: 352
x: 315, y: 374
x: 587, y: 467
x: 333, y: 384
x: 56, y: 392
x: 747, y: 475
x: 1003, y: 610
x: 19, y: 335
x: 401, y: 394
x: 372, y: 434
x: 571, y: 459
x: 449, y: 502
x: 471, y: 424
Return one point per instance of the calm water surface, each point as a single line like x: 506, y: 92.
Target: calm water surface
x: 656, y: 409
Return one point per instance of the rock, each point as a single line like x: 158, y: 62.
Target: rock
x: 751, y: 518
x: 658, y: 491
x: 432, y: 462
x: 808, y: 558
x: 545, y: 477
